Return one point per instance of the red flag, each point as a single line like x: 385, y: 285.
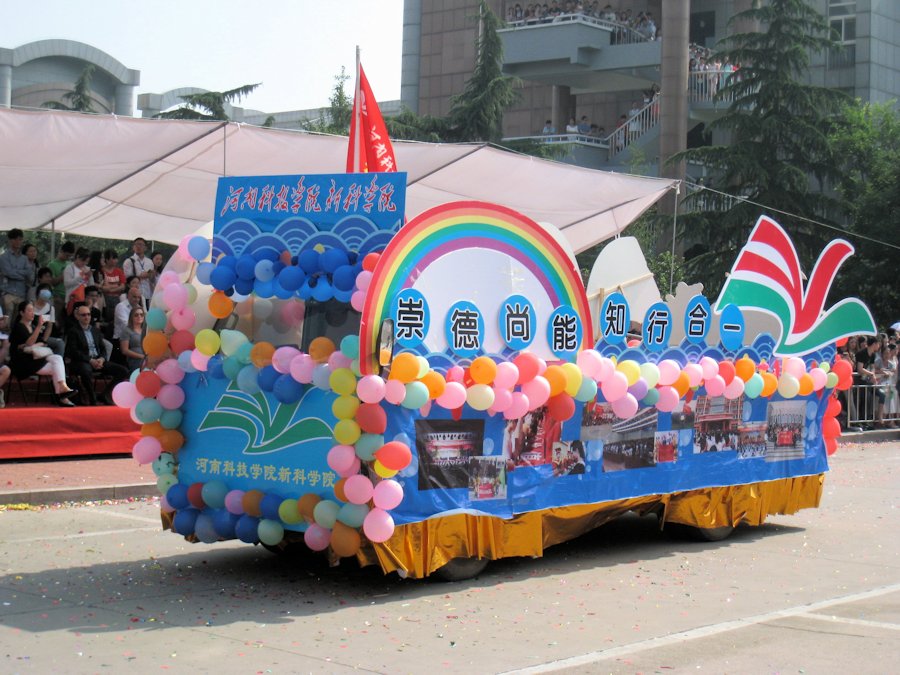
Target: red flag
x: 370, y: 148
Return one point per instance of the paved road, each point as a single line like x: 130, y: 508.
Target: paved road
x: 101, y: 589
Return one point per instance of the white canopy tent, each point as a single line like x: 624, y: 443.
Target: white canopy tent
x: 123, y: 177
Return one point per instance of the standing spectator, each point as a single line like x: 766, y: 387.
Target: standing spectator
x: 85, y: 351
x: 133, y: 300
x: 634, y: 124
x: 584, y: 126
x: 572, y: 126
x: 5, y: 371
x: 113, y: 282
x: 22, y: 343
x: 140, y: 266
x: 76, y: 276
x: 57, y: 266
x: 31, y: 253
x: 864, y: 377
x: 159, y: 265
x: 548, y: 129
x: 132, y: 341
x: 16, y: 273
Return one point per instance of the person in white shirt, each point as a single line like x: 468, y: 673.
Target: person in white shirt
x: 140, y: 266
x: 123, y: 311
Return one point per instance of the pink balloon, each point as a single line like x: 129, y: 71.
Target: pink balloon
x: 182, y: 251
x: 394, y: 391
x: 669, y: 371
x: 164, y: 505
x: 507, y: 375
x: 339, y: 360
x: 615, y: 386
x: 668, y: 399
x: 453, y: 397
x: 735, y: 389
x: 317, y: 537
x: 363, y: 279
x: 170, y: 396
x: 358, y: 489
x: 170, y: 372
x: 281, y: 359
x: 234, y: 502
x: 370, y: 389
x: 291, y: 313
x: 175, y: 296
x: 795, y: 366
x: 502, y: 399
x: 589, y: 361
x: 695, y: 374
x: 183, y: 319
x: 351, y: 470
x: 302, y: 367
x: 605, y: 369
x: 126, y: 395
x: 709, y: 366
x: 625, y: 407
x: 378, y: 525
x: 146, y: 450
x: 819, y: 377
x: 455, y: 374
x: 537, y: 391
x: 519, y: 406
x: 715, y: 386
x: 358, y: 300
x: 166, y: 279
x: 340, y: 458
x: 199, y: 360
x: 387, y: 495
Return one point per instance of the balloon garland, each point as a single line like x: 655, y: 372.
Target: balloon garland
x: 365, y: 462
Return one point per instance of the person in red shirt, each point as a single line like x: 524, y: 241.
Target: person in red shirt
x: 112, y: 282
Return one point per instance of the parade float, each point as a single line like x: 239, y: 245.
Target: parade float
x: 433, y: 394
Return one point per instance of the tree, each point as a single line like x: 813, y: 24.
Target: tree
x: 208, y: 105
x: 866, y: 144
x: 476, y: 114
x: 79, y: 99
x: 778, y: 153
x: 336, y: 118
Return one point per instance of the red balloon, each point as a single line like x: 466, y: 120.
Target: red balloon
x: 369, y: 262
x: 195, y: 495
x: 148, y: 383
x: 844, y: 372
x: 181, y: 341
x: 371, y: 418
x: 831, y: 446
x: 834, y: 407
x: 831, y: 428
x: 561, y: 407
x: 726, y: 370
x: 394, y: 455
x: 529, y: 366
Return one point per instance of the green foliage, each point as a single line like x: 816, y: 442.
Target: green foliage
x: 411, y: 127
x: 476, y: 114
x: 79, y: 99
x: 778, y: 145
x: 269, y: 122
x: 336, y: 118
x: 208, y: 105
x: 866, y: 144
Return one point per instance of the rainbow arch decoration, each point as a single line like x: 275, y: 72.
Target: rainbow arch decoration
x: 463, y: 226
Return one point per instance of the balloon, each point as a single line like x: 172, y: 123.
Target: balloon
x: 248, y: 380
x: 346, y: 432
x: 453, y: 397
x: 205, y: 529
x: 819, y: 377
x: 170, y: 372
x: 358, y: 489
x: 794, y: 366
x: 556, y: 377
x: 322, y: 377
x: 165, y: 463
x: 502, y: 400
x: 744, y: 368
x: 213, y: 494
x: 529, y: 366
x: 234, y: 502
x: 198, y: 247
x: 368, y: 445
x: 806, y: 384
x: 345, y: 541
x: 363, y: 279
x: 754, y: 386
x: 155, y: 319
x: 727, y: 371
x: 325, y: 512
x: 287, y: 389
x: 342, y: 381
x: 251, y: 500
x: 371, y: 418
x: 174, y: 296
x: 358, y: 300
x: 669, y: 371
x: 831, y: 428
x: 715, y: 386
x: 404, y: 367
x: 770, y: 384
x: 387, y: 495
x: 605, y: 369
x: 650, y: 373
x: 302, y: 367
x: 587, y: 391
x: 518, y: 408
x: 834, y: 407
x: 788, y: 386
x: 353, y: 515
x: 282, y: 358
x: 483, y: 370
x: 370, y: 389
x: 148, y: 410
x: 125, y: 395
x: 177, y: 496
x: 588, y: 361
x: 630, y: 369
x: 694, y: 374
x: 561, y: 407
x: 195, y: 495
x: 170, y: 396
x: 317, y: 537
x: 204, y: 273
x: 614, y: 387
x: 394, y: 391
x: 181, y: 341
x: 165, y: 482
x: 639, y: 389
x: 682, y: 384
x: 261, y: 354
x: 435, y: 383
x: 345, y: 407
x: 378, y: 526
x: 247, y: 528
x: 734, y: 389
x: 320, y: 349
x: 341, y: 457
x: 506, y: 376
x: 270, y: 532
x: 537, y: 391
x: 199, y: 360
x: 146, y: 450
x: 709, y: 366
x: 154, y: 429
x: 668, y: 399
x: 225, y: 522
x: 625, y: 407
x: 651, y: 398
x: 350, y: 346
x: 480, y: 396
x: 394, y: 455
x: 184, y: 522
x: 155, y: 344
x: 844, y: 373
x: 220, y: 305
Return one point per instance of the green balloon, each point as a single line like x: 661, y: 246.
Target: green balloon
x: 171, y: 419
x: 164, y: 482
x: 231, y: 367
x: 325, y: 513
x: 368, y: 445
x: 754, y: 386
x: 155, y: 319
x: 163, y: 464
x: 270, y: 532
x: 416, y: 395
x: 353, y: 515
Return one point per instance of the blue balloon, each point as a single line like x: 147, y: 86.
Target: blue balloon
x: 277, y: 266
x: 224, y: 523
x: 232, y: 367
x: 352, y: 257
x: 323, y: 291
x: 245, y: 529
x: 333, y: 258
x: 344, y: 278
x: 291, y: 278
x: 228, y: 261
x: 214, y: 367
x: 222, y: 278
x: 280, y: 292
x: 177, y: 496
x: 205, y: 529
x: 247, y: 380
x: 213, y: 493
x: 264, y: 289
x: 204, y: 270
x: 185, y: 521
x: 268, y: 506
x: 245, y: 267
x: 268, y: 376
x: 242, y: 353
x: 305, y: 291
x: 171, y: 419
x: 309, y: 261
x: 343, y: 296
x: 287, y: 389
x: 198, y: 247
x: 243, y: 286
x: 184, y: 362
x: 263, y: 270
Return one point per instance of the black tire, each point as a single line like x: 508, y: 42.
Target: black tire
x: 460, y: 569
x: 713, y: 533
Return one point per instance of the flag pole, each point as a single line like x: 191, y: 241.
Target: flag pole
x: 357, y: 117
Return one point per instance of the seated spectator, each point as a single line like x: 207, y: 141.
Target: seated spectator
x: 572, y: 126
x: 132, y: 342
x: 548, y: 129
x: 123, y: 311
x: 584, y: 126
x: 132, y: 282
x: 85, y: 351
x: 25, y: 362
x: 43, y: 306
x: 4, y: 355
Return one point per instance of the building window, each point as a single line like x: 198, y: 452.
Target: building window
x: 842, y: 19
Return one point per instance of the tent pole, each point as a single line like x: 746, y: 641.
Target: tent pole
x: 53, y: 239
x: 224, y: 149
x: 674, y: 230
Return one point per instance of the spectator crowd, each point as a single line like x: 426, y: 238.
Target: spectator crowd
x: 548, y: 12
x: 874, y: 399
x: 76, y: 318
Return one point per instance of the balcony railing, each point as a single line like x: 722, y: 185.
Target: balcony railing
x: 633, y: 128
x: 619, y: 33
x: 703, y: 85
x: 843, y: 57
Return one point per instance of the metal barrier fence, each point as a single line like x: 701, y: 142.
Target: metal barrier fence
x: 861, y: 403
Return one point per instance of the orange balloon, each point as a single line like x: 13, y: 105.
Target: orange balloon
x: 483, y: 370
x: 320, y: 349
x: 556, y: 376
x: 171, y: 440
x: 154, y: 429
x: 345, y: 540
x: 339, y: 490
x: 806, y: 384
x: 435, y: 383
x: 404, y: 367
x: 770, y: 384
x: 155, y: 344
x: 261, y: 354
x: 220, y: 305
x: 744, y: 368
x: 682, y: 384
x: 250, y: 501
x: 306, y: 504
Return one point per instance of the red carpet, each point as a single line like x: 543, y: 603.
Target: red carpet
x: 60, y: 432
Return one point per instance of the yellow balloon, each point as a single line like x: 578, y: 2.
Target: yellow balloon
x: 342, y: 381
x: 573, y: 378
x: 207, y: 341
x: 345, y: 407
x: 630, y: 369
x: 346, y: 432
x: 383, y: 471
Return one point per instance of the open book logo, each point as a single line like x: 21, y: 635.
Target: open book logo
x: 267, y: 429
x: 766, y: 276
